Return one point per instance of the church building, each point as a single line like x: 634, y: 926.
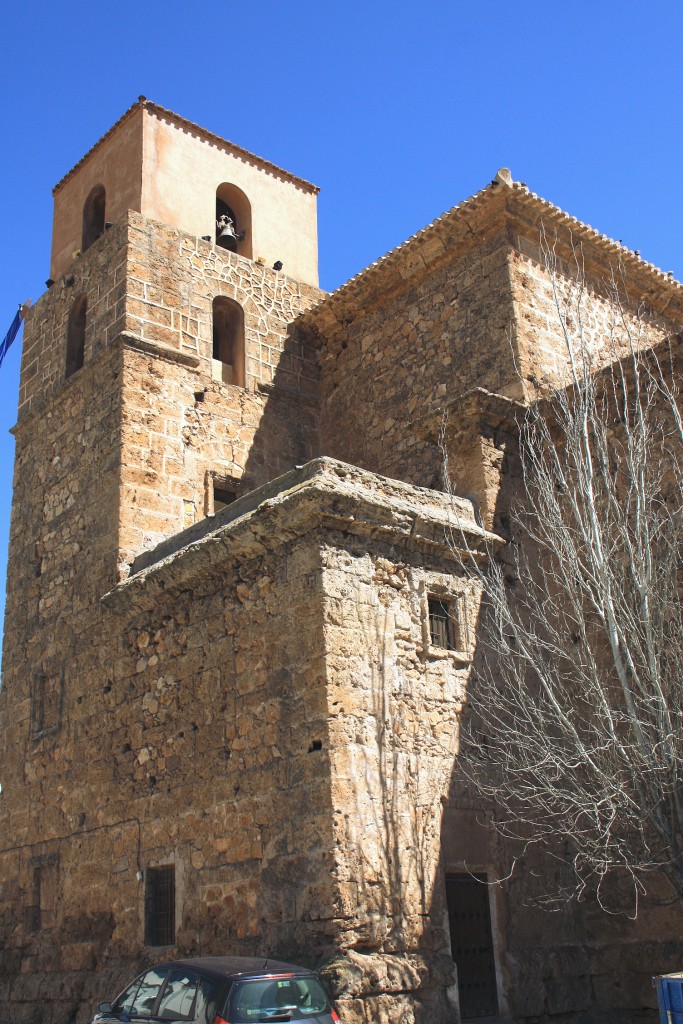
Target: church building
x: 238, y: 638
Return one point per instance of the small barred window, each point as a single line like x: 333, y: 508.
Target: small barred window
x: 219, y: 492
x: 442, y: 626
x: 160, y: 906
x: 222, y: 498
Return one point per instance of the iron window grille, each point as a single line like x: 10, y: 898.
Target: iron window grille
x: 160, y: 906
x: 441, y: 625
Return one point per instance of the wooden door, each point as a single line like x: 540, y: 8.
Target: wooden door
x: 469, y: 918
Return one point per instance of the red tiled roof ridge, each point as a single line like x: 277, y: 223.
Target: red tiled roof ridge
x: 495, y: 187
x: 142, y: 101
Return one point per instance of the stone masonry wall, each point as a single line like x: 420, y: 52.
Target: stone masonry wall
x: 172, y: 279
x: 275, y: 723
x: 154, y: 286
x: 100, y: 276
x: 181, y: 429
x: 405, y: 356
x: 572, y: 959
x: 205, y: 701
x: 570, y: 295
x: 397, y: 363
x: 66, y: 518
x: 188, y: 740
x: 395, y: 701
x: 114, y: 456
x: 407, y: 374
x: 62, y: 558
x: 182, y: 433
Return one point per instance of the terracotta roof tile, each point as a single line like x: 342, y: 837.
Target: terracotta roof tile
x: 197, y: 129
x: 375, y: 272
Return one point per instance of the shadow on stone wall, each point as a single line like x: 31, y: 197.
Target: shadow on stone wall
x: 570, y: 959
x: 287, y: 434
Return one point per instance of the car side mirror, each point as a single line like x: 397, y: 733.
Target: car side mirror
x: 104, y: 1007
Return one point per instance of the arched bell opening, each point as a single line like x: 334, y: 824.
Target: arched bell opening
x: 228, y: 341
x: 233, y: 220
x: 93, y: 216
x: 75, y: 336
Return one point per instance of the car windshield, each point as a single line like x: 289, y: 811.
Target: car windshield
x: 277, y: 999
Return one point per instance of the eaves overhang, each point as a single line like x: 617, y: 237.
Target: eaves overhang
x: 143, y: 103
x: 475, y: 217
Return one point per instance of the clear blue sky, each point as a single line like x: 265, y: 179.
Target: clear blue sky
x: 397, y: 110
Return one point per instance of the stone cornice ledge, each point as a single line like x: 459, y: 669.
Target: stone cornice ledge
x: 155, y: 348
x: 466, y: 412
x: 323, y: 494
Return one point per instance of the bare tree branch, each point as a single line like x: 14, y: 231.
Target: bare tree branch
x: 574, y: 734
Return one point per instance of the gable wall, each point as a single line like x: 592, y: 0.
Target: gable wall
x: 402, y: 359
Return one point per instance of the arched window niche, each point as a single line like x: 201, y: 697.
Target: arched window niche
x: 228, y: 341
x: 232, y: 203
x: 75, y: 336
x: 93, y: 216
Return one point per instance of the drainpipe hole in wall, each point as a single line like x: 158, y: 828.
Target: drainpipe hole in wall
x: 315, y: 745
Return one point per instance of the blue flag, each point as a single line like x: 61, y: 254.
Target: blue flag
x: 11, y: 335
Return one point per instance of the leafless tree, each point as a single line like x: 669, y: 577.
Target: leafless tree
x: 574, y: 734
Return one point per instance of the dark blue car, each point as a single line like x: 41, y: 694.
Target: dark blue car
x: 221, y: 990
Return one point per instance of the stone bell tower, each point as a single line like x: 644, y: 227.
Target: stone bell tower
x: 178, y: 262
x: 159, y: 381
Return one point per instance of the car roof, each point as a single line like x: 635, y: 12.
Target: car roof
x: 230, y: 967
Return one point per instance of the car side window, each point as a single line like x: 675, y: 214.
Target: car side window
x: 179, y: 996
x: 205, y: 1004
x: 125, y: 1002
x: 139, y: 998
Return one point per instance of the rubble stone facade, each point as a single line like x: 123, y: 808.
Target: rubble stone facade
x: 221, y: 648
